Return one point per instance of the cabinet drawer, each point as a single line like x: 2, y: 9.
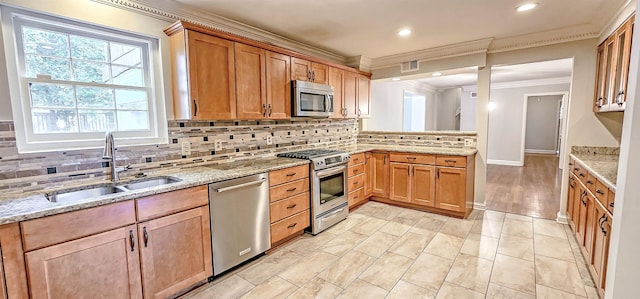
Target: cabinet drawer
x: 356, y: 159
x: 601, y: 191
x: 356, y: 182
x: 281, y: 176
x: 580, y: 172
x: 412, y: 158
x: 289, y: 226
x: 355, y: 197
x: 591, y: 183
x: 356, y: 170
x: 172, y: 202
x: 611, y: 197
x: 451, y: 161
x: 47, y: 231
x: 284, y: 208
x: 288, y: 189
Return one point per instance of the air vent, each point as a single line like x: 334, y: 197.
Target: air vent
x: 474, y: 94
x: 409, y: 66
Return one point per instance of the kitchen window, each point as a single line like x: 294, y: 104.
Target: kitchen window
x: 76, y: 81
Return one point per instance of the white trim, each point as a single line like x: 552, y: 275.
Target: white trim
x: 523, y: 83
x: 418, y: 86
x: 564, y: 94
x: 480, y: 206
x: 562, y: 218
x: 536, y: 151
x: 505, y: 162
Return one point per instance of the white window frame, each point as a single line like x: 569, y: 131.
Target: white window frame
x: 26, y: 140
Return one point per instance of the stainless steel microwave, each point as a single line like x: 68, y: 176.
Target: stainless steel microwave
x: 311, y: 99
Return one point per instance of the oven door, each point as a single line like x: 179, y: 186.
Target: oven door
x: 329, y: 188
x: 314, y: 103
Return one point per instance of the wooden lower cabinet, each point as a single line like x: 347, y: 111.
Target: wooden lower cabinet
x: 368, y: 175
x: 423, y: 187
x: 3, y: 285
x: 600, y: 254
x: 105, y: 265
x: 400, y: 182
x: 451, y: 189
x: 582, y: 215
x: 175, y: 252
x: 571, y: 202
x: 380, y: 172
x: 13, y: 276
x: 289, y: 201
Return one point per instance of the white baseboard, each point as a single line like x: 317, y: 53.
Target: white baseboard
x: 562, y: 218
x: 535, y: 151
x: 481, y: 206
x: 505, y: 162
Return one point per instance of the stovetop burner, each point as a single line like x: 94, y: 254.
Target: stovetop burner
x: 320, y: 158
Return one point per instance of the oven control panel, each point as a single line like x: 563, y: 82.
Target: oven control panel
x: 329, y: 161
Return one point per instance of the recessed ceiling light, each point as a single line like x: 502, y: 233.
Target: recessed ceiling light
x: 526, y: 6
x: 404, y: 32
x: 395, y: 79
x: 436, y: 74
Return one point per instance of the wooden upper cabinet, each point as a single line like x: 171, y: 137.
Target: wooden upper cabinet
x: 380, y: 167
x: 400, y: 182
x: 451, y: 188
x: 175, y: 252
x: 599, y: 91
x: 278, y: 85
x: 105, y: 265
x: 251, y: 91
x: 203, y: 76
x: 336, y: 79
x: 350, y: 94
x: 423, y: 188
x: 364, y: 96
x: 305, y: 70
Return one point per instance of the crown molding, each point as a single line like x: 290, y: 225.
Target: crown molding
x: 418, y: 86
x: 455, y: 50
x: 172, y: 11
x: 360, y: 62
x: 523, y: 83
x: 621, y: 16
x: 545, y: 38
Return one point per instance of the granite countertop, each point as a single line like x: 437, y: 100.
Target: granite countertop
x: 34, y: 204
x: 604, y: 167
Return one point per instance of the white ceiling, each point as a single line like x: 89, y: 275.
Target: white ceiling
x: 499, y: 74
x: 369, y: 27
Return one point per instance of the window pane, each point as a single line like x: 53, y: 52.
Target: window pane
x: 131, y: 99
x: 126, y: 54
x: 42, y: 42
x: 133, y: 120
x: 86, y: 71
x: 54, y: 120
x: 127, y: 76
x: 57, y: 68
x: 96, y: 120
x: 88, y: 48
x: 94, y: 97
x: 51, y: 95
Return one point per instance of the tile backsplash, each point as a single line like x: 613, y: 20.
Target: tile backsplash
x: 448, y: 139
x: 240, y: 140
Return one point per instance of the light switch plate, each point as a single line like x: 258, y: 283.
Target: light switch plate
x: 468, y: 142
x: 186, y: 148
x: 269, y: 139
x: 217, y: 145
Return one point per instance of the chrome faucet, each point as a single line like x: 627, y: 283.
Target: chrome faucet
x: 110, y: 154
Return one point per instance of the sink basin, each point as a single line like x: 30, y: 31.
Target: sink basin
x: 83, y: 194
x: 151, y: 182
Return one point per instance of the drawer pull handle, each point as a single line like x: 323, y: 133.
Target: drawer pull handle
x: 145, y: 236
x: 450, y: 161
x: 576, y: 169
x: 411, y: 158
x: 582, y: 175
x: 589, y: 182
x: 292, y: 225
x: 611, y: 205
x: 132, y: 240
x: 355, y: 183
x: 291, y: 174
x: 355, y: 171
x: 570, y: 164
x: 292, y: 206
x: 599, y: 192
x: 292, y: 189
x: 356, y: 197
x: 356, y: 160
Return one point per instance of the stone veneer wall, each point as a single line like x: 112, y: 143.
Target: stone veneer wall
x: 240, y: 140
x: 448, y: 139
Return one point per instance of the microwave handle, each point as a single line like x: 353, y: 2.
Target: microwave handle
x: 329, y: 105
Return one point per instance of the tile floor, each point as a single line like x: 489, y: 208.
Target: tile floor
x: 383, y: 251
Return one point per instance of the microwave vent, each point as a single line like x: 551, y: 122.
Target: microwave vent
x: 409, y: 66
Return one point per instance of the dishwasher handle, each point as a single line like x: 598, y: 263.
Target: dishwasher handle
x: 243, y: 185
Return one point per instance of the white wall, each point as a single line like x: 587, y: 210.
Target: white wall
x: 542, y: 123
x: 506, y: 122
x: 467, y: 112
x: 387, y: 99
x: 447, y: 102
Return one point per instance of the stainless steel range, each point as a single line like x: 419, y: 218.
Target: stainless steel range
x: 328, y: 174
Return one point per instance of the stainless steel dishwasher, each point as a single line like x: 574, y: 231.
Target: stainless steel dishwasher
x: 239, y: 220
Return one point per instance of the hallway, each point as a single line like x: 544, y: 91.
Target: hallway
x: 532, y: 190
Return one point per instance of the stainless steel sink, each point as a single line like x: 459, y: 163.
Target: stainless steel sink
x: 150, y: 182
x: 83, y: 193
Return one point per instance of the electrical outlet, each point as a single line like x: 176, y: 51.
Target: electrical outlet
x: 217, y: 145
x: 468, y: 142
x: 269, y: 139
x: 186, y: 148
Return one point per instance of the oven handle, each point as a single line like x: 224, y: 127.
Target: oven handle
x: 321, y: 174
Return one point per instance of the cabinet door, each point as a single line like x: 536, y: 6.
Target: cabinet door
x: 105, y: 265
x: 3, y: 289
x: 211, y: 77
x: 570, y: 198
x: 364, y: 97
x: 380, y: 174
x: 400, y: 182
x: 590, y: 226
x: 300, y: 69
x: 602, y: 229
x: 175, y: 252
x: 600, y: 78
x: 423, y: 185
x: 336, y: 79
x: 621, y: 73
x: 320, y: 73
x: 608, y: 73
x: 451, y: 188
x: 368, y: 174
x: 582, y: 214
x: 350, y: 100
x: 278, y: 85
x: 251, y: 91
